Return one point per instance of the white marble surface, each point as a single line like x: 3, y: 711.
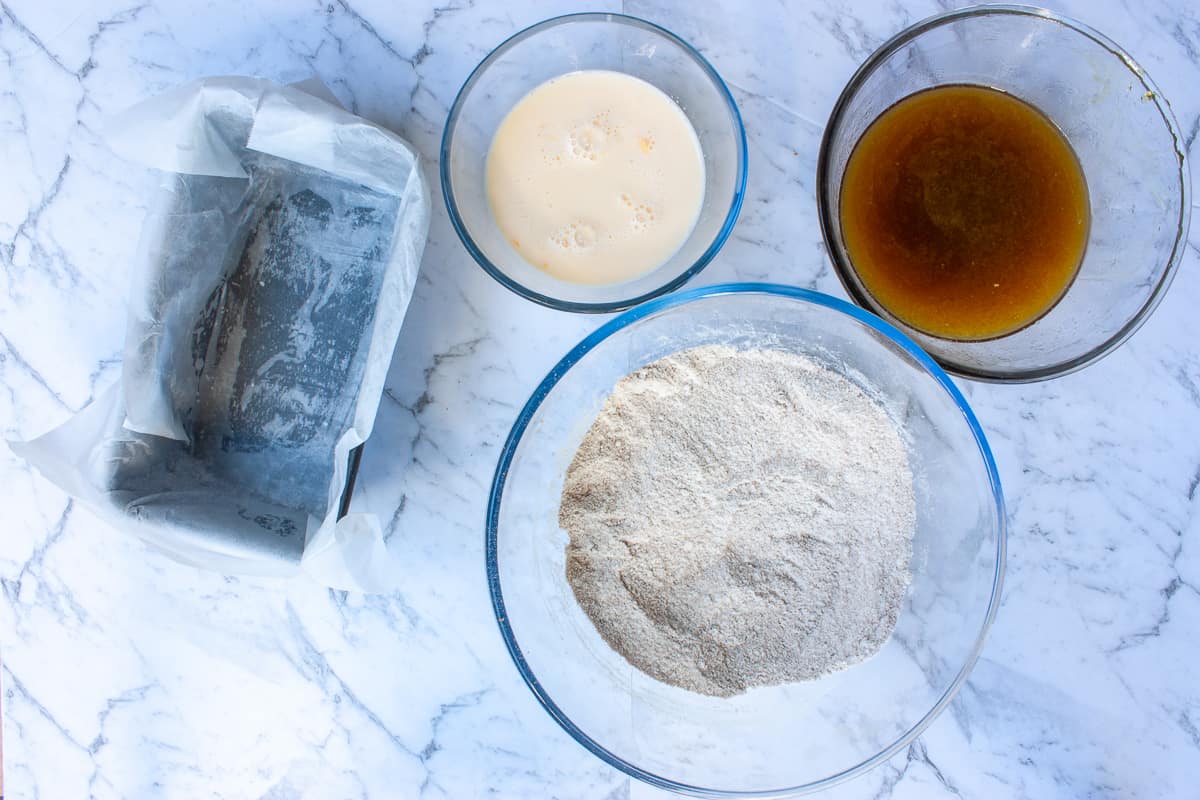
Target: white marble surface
x: 127, y: 675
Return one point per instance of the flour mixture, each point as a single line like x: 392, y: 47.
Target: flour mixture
x: 739, y: 519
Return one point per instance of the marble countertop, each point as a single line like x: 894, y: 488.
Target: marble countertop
x: 128, y: 675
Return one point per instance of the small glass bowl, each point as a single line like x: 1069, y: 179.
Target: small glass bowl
x: 1122, y: 130
x: 584, y: 42
x: 769, y: 741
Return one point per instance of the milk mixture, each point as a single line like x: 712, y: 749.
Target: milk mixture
x: 596, y: 177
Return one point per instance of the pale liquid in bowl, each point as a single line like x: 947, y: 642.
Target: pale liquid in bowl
x: 596, y: 177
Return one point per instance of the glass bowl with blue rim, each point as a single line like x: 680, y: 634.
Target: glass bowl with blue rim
x: 769, y: 741
x: 591, y: 41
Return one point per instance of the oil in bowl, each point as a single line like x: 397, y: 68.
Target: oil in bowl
x: 1020, y: 196
x: 964, y: 212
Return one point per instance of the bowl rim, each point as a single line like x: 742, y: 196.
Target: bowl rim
x: 612, y: 305
x: 1183, y: 223
x: 615, y: 325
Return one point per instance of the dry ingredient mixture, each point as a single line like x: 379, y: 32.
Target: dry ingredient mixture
x: 739, y: 519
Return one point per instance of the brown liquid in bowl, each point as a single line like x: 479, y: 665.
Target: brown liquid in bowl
x: 964, y: 212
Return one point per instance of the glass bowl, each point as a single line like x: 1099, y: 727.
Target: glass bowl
x: 776, y: 740
x: 1123, y: 132
x: 581, y: 42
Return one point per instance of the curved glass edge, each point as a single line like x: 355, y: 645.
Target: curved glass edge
x: 499, y: 275
x: 825, y: 213
x: 628, y: 318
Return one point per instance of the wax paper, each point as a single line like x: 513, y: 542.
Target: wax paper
x: 268, y: 291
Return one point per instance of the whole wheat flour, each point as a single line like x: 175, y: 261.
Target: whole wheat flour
x: 739, y: 519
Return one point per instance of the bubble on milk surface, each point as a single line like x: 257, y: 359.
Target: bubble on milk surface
x: 642, y: 214
x: 577, y: 237
x: 586, y: 142
x: 602, y: 122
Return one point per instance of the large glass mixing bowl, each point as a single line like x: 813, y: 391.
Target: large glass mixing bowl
x: 769, y: 741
